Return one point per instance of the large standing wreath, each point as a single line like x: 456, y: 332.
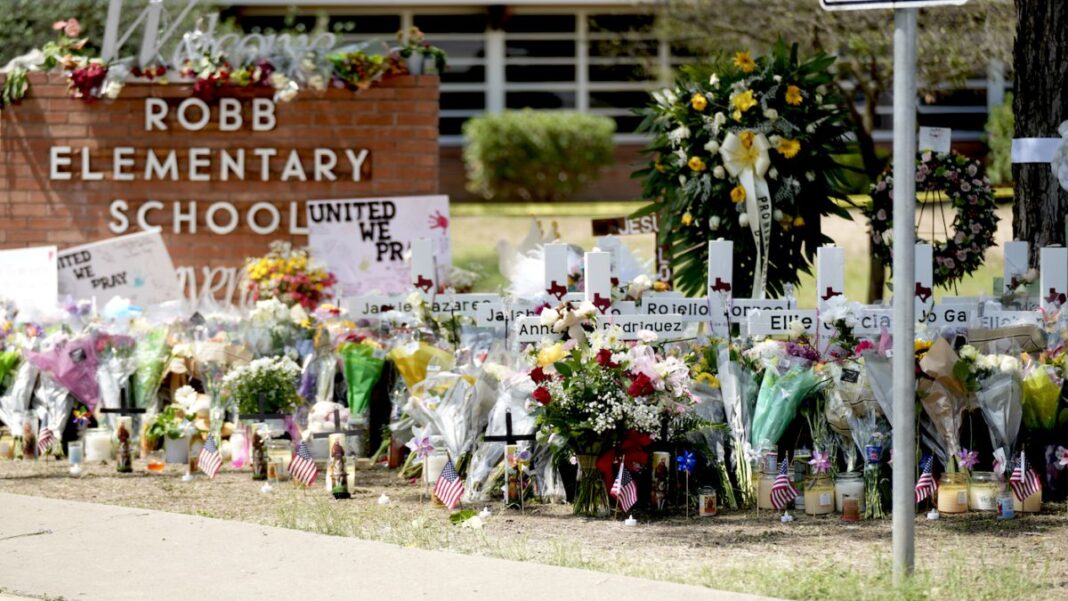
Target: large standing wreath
x: 957, y: 180
x: 744, y: 151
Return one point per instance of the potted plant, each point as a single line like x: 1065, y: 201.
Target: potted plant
x: 416, y: 50
x: 265, y: 388
x: 174, y: 428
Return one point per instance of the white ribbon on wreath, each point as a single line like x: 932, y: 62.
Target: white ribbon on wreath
x: 746, y: 158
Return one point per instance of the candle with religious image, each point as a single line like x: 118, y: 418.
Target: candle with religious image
x: 337, y: 474
x: 660, y: 468
x: 124, y: 435
x: 259, y: 436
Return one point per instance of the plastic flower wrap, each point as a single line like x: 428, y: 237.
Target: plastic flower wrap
x: 1000, y: 398
x: 72, y: 364
x: 318, y: 369
x: 777, y: 401
x: 274, y: 329
x: 362, y: 365
x: 150, y: 357
x: 115, y: 366
x: 17, y: 392
x: 739, y: 390
x: 9, y: 361
x: 1041, y: 392
x: 413, y: 358
x: 944, y: 397
x: 54, y: 405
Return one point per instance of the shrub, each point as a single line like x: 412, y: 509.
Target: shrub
x: 999, y: 130
x: 535, y: 155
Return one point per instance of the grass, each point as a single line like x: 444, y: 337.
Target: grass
x: 954, y: 575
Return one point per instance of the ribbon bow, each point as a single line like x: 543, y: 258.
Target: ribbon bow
x: 745, y: 157
x: 1059, y: 163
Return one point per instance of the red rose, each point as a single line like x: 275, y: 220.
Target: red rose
x: 604, y: 358
x: 541, y: 394
x: 641, y: 385
x: 538, y: 375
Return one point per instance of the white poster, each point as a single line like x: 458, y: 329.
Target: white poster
x: 137, y: 267
x: 363, y: 240
x: 28, y: 277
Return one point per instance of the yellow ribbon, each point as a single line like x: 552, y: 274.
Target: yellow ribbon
x: 745, y: 157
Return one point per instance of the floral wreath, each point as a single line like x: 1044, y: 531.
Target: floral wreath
x: 744, y: 151
x: 962, y: 182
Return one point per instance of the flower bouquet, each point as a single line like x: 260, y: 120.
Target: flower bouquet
x: 739, y: 390
x: 265, y: 387
x: 290, y: 276
x: 944, y: 392
x: 362, y: 363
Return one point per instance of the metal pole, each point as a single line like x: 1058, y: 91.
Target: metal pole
x: 904, y: 299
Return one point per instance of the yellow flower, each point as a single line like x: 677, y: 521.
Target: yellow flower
x: 659, y: 167
x: 742, y: 102
x: 708, y: 378
x: 793, y: 95
x: 696, y: 164
x: 744, y: 61
x: 788, y: 148
x: 551, y: 354
x: 659, y: 286
x: 698, y: 102
x: 799, y: 221
x: 687, y: 218
x: 737, y: 194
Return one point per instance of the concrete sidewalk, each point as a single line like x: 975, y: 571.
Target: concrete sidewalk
x: 83, y: 551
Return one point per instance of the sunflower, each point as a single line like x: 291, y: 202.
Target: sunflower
x: 788, y: 147
x: 744, y: 61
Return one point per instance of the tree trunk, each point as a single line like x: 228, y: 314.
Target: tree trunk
x: 1040, y: 59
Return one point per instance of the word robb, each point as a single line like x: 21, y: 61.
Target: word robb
x: 204, y: 164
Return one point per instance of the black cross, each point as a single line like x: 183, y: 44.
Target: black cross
x: 262, y: 415
x: 337, y: 427
x: 124, y: 405
x: 508, y: 437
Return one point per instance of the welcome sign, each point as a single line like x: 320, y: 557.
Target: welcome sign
x: 364, y: 241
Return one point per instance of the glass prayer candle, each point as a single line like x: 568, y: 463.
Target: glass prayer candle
x: 952, y: 493
x: 764, y: 491
x: 260, y: 434
x: 337, y: 476
x: 97, y: 444
x: 851, y: 509
x: 280, y: 452
x: 819, y: 495
x: 7, y: 446
x: 983, y: 492
x: 707, y: 504
x: 1032, y: 504
x: 849, y: 485
x: 661, y: 469
x: 123, y: 452
x: 74, y: 452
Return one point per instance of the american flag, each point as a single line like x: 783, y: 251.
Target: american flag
x: 624, y: 489
x: 45, y: 438
x: 1024, y: 481
x: 926, y: 485
x: 783, y: 492
x: 302, y: 468
x: 210, y: 461
x: 449, y: 487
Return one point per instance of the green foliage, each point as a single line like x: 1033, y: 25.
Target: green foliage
x: 535, y: 155
x: 999, y: 130
x: 168, y: 423
x: 15, y: 86
x: 462, y: 516
x: 272, y: 379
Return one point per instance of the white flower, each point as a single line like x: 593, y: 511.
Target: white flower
x: 774, y: 139
x: 986, y: 362
x: 186, y: 397
x: 679, y: 134
x: 718, y: 120
x: 317, y: 82
x: 968, y: 352
x: 287, y: 93
x: 646, y: 336
x: 810, y: 176
x: 639, y: 285
x: 712, y: 147
x: 719, y: 172
x: 112, y: 89
x: 1009, y: 364
x: 682, y: 180
x: 771, y: 114
x: 549, y: 317
x: 586, y: 309
x: 797, y: 328
x: 776, y: 215
x: 665, y: 97
x: 743, y: 220
x: 777, y: 78
x: 773, y: 173
x: 713, y: 80
x: 713, y: 223
x: 297, y: 313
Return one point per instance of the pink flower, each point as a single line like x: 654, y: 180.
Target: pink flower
x: 864, y: 345
x: 71, y: 27
x: 967, y: 459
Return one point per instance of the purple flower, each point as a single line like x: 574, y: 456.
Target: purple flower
x: 976, y: 228
x: 881, y: 215
x: 821, y: 462
x: 965, y: 187
x: 967, y: 459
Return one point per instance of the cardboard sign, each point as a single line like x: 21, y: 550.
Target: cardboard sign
x: 935, y: 139
x: 1054, y: 277
x: 137, y: 267
x: 28, y: 277
x: 778, y: 323
x: 598, y: 268
x: 556, y: 272
x: 363, y: 240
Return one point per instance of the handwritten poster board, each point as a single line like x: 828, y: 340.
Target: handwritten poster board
x: 137, y: 267
x: 28, y: 277
x: 363, y: 240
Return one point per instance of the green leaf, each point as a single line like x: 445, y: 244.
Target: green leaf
x: 462, y: 516
x: 563, y: 369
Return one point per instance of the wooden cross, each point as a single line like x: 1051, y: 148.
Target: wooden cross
x: 124, y: 405
x: 337, y: 427
x: 510, y: 438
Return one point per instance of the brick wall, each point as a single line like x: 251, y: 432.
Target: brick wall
x: 395, y: 121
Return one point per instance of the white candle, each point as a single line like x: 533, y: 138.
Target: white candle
x: 98, y: 445
x: 432, y: 467
x: 74, y: 452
